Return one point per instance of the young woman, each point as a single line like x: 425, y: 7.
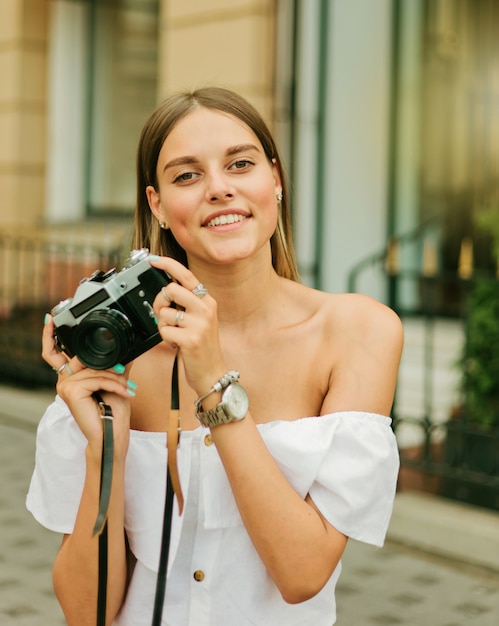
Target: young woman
x: 273, y: 489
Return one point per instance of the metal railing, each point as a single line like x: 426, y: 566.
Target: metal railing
x: 441, y: 450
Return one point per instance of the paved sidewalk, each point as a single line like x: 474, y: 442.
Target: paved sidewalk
x: 401, y: 586
x: 439, y: 567
x: 26, y: 596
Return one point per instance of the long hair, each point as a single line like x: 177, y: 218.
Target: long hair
x: 147, y: 231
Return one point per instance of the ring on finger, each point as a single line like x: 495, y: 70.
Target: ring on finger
x: 179, y: 316
x: 200, y: 290
x: 64, y: 368
x: 165, y: 295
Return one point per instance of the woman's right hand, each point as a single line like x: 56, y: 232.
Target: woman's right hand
x: 76, y: 384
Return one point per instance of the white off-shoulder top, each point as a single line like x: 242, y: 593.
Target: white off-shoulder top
x: 347, y: 461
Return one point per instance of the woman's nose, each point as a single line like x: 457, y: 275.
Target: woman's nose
x: 219, y: 188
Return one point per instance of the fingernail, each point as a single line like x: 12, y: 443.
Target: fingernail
x: 46, y: 319
x: 118, y: 368
x: 131, y: 384
x: 156, y: 320
x: 154, y: 257
x: 130, y: 393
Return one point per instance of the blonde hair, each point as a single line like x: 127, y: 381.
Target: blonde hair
x: 147, y: 231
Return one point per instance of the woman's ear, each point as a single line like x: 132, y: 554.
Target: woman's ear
x: 155, y: 205
x: 277, y: 177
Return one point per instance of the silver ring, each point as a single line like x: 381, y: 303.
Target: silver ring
x: 64, y: 368
x: 200, y: 290
x: 165, y: 295
x: 179, y: 316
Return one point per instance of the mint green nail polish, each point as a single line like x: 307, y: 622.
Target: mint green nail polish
x: 131, y: 384
x: 156, y: 320
x: 131, y: 393
x: 154, y: 257
x: 118, y: 368
x: 46, y: 319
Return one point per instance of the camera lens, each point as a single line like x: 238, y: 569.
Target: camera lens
x: 103, y: 339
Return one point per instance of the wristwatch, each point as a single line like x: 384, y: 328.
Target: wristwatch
x: 232, y: 408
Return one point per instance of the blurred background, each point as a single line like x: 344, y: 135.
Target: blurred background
x: 387, y: 115
x: 386, y: 112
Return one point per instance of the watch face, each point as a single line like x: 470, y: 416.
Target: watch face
x: 236, y: 401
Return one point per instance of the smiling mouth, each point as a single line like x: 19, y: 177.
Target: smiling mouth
x: 231, y: 218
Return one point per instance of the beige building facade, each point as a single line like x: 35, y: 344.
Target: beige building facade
x: 385, y: 113
x: 23, y: 110
x: 226, y: 42
x: 80, y: 76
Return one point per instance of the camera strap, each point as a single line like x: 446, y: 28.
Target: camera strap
x: 100, y: 527
x: 173, y: 488
x: 106, y: 465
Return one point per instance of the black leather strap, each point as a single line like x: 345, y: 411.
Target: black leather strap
x: 100, y: 527
x: 106, y: 465
x: 102, y: 584
x: 159, y: 598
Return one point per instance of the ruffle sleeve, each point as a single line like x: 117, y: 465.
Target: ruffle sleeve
x: 356, y: 481
x: 347, y: 461
x: 57, y: 481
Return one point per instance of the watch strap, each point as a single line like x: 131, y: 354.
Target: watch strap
x: 215, y: 417
x: 232, y: 376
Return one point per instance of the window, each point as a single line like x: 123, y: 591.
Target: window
x: 460, y: 129
x: 122, y: 93
x: 446, y: 159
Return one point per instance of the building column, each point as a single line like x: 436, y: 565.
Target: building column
x: 23, y: 51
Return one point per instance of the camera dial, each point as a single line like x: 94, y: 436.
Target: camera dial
x: 135, y: 257
x: 61, y: 306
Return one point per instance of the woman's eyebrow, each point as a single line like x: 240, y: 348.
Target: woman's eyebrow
x: 189, y: 160
x: 244, y: 147
x: 184, y: 160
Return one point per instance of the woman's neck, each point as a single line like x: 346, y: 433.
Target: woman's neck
x: 246, y: 292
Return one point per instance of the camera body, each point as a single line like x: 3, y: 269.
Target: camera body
x: 110, y: 319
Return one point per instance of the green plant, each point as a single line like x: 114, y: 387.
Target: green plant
x: 487, y: 220
x: 471, y: 446
x: 480, y: 359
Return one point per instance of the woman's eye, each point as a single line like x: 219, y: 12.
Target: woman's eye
x: 241, y: 164
x: 185, y: 177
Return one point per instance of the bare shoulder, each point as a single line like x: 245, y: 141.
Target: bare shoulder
x: 365, y: 316
x: 352, y: 314
x: 363, y: 342
x: 366, y: 330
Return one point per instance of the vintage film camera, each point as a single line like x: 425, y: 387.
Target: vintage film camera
x: 110, y: 319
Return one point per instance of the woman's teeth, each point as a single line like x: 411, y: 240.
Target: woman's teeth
x: 226, y: 219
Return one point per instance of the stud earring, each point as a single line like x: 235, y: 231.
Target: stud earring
x: 162, y: 225
x: 279, y: 197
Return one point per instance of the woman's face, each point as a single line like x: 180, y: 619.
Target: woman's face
x: 216, y: 188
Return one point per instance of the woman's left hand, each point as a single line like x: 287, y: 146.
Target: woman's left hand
x: 187, y: 318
